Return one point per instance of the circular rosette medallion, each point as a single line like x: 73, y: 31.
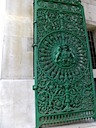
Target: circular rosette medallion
x: 62, y: 54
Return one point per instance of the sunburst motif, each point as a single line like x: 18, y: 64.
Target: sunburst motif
x: 62, y: 53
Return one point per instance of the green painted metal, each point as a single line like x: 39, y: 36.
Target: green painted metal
x: 64, y: 85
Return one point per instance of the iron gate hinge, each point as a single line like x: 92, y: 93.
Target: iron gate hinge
x: 34, y: 45
x: 34, y: 22
x: 34, y: 87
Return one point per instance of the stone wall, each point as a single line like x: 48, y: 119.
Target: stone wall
x: 17, y: 47
x: 16, y: 62
x: 16, y: 72
x: 90, y: 13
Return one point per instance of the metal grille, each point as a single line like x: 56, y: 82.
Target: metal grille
x: 92, y: 49
x: 95, y: 83
x: 64, y: 86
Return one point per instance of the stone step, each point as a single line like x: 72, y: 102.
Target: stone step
x: 81, y: 125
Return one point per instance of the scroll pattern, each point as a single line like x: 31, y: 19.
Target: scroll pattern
x: 49, y: 20
x: 64, y: 82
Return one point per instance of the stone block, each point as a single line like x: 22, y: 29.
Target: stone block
x: 86, y: 1
x: 18, y: 26
x: 17, y: 61
x: 90, y: 12
x: 78, y: 125
x: 94, y: 73
x: 0, y: 117
x: 87, y: 11
x: 93, y: 2
x: 17, y: 105
x: 1, y: 45
x: 19, y: 7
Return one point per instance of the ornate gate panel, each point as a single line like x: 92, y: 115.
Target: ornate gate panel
x: 64, y: 85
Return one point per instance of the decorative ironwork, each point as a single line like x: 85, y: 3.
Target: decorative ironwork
x: 60, y: 53
x: 64, y: 87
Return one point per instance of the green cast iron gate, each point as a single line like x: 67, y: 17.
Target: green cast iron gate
x: 64, y: 87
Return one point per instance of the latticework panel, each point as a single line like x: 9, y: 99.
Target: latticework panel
x: 64, y: 85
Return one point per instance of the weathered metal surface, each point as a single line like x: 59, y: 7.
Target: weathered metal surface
x: 64, y: 85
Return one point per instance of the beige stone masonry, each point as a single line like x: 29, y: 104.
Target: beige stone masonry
x: 17, y: 60
x: 17, y: 99
x: 18, y: 38
x: 17, y: 105
x: 19, y: 7
x: 90, y: 12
